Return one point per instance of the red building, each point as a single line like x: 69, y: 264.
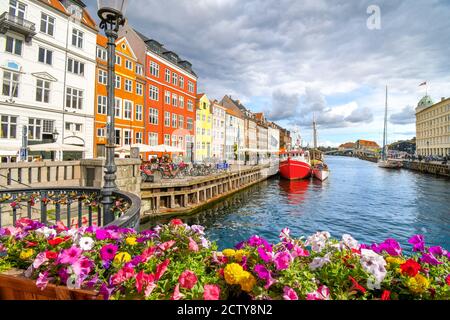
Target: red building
x: 171, y: 89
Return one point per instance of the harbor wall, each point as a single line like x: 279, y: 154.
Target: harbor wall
x: 428, y: 167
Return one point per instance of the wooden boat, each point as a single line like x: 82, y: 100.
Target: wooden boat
x: 295, y: 165
x: 320, y: 171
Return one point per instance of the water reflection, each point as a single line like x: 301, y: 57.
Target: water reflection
x: 296, y: 191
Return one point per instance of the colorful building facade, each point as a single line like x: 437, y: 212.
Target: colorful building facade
x: 219, y: 131
x: 203, y: 124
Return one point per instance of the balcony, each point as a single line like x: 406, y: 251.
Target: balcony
x: 14, y: 23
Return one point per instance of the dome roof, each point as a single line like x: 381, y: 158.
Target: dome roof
x: 424, y: 103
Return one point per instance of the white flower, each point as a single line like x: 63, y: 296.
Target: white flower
x: 374, y: 264
x: 86, y: 243
x: 349, y: 242
x: 318, y: 241
x: 319, y: 262
x: 47, y: 232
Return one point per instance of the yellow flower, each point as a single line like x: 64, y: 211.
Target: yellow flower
x: 122, y: 257
x: 233, y: 273
x: 418, y: 284
x: 395, y: 260
x: 239, y: 254
x: 229, y: 253
x: 131, y: 241
x: 247, y: 281
x: 25, y: 254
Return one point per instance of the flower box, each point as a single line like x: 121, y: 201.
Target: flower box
x: 15, y: 286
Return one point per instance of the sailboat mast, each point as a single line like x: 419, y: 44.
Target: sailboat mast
x: 315, y: 132
x: 384, y: 155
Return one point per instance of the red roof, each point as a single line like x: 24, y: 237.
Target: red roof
x: 87, y: 19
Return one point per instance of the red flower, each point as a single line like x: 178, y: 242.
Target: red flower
x: 410, y: 268
x: 386, y: 295
x: 356, y: 251
x: 448, y: 280
x: 54, y: 242
x: 211, y: 292
x: 356, y: 285
x: 31, y: 244
x: 176, y: 222
x: 51, y: 255
x: 187, y: 279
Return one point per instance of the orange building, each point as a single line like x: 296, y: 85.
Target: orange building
x: 129, y: 107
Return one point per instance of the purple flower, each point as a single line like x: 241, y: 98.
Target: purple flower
x: 63, y: 274
x: 92, y: 229
x: 108, y: 252
x: 256, y: 241
x: 69, y: 256
x: 436, y: 251
x: 282, y: 260
x: 3, y: 232
x: 430, y: 259
x: 106, y: 291
x: 102, y: 234
x: 136, y: 261
x: 92, y: 282
x: 240, y: 245
x: 265, y: 256
x: 42, y: 280
x: 261, y: 271
x: 392, y: 247
x: 376, y: 248
x: 418, y: 242
x: 364, y: 246
x: 39, y: 260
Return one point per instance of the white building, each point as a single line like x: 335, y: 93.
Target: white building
x: 219, y: 132
x: 47, y: 61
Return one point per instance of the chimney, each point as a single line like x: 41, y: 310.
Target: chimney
x: 443, y: 98
x: 238, y: 101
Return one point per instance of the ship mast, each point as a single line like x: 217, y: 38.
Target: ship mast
x: 315, y: 131
x: 384, y: 153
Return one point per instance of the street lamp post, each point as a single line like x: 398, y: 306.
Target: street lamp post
x: 55, y: 136
x: 111, y: 13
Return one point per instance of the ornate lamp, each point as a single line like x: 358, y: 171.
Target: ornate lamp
x: 111, y: 13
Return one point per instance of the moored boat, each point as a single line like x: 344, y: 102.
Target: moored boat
x: 320, y: 171
x: 295, y: 165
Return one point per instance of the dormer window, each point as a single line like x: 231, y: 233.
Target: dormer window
x: 76, y: 11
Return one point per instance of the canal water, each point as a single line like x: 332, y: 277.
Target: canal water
x: 370, y: 203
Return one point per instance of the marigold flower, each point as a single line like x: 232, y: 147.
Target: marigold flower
x: 247, y: 281
x: 131, y: 241
x: 395, y: 260
x: 239, y: 254
x: 25, y: 254
x: 122, y: 257
x: 229, y: 253
x: 233, y: 273
x: 418, y: 284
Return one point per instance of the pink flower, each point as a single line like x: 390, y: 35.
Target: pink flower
x: 42, y: 280
x: 176, y: 293
x: 299, y: 252
x: 211, y: 292
x: 108, y: 252
x: 161, y: 269
x: 70, y: 256
x: 187, y: 279
x: 146, y: 281
x: 166, y: 245
x: 289, y: 294
x: 282, y: 260
x: 448, y: 280
x: 193, y: 246
x: 264, y: 255
x: 123, y: 275
x: 147, y: 254
x: 41, y: 258
x: 83, y: 266
x: 418, y: 241
x: 430, y: 259
x: 322, y: 293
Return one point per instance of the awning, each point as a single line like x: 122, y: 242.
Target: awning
x: 7, y: 153
x: 55, y: 146
x: 142, y: 148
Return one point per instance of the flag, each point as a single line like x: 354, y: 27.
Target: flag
x: 423, y: 84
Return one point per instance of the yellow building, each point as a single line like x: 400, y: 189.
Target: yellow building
x: 203, y: 125
x: 433, y: 127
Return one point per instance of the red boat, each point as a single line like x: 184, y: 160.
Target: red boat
x: 295, y: 165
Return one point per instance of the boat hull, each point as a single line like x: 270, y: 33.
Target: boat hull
x: 389, y: 164
x: 295, y: 169
x: 320, y: 174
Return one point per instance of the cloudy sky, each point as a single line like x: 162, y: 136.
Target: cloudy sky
x: 295, y: 58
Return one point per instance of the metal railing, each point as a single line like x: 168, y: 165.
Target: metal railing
x: 7, y: 17
x: 75, y: 207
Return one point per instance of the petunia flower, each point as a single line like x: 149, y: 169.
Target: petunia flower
x: 386, y: 295
x: 322, y: 293
x: 187, y: 279
x: 69, y: 256
x: 86, y: 243
x: 289, y: 293
x: 418, y: 241
x: 356, y: 285
x: 40, y: 259
x: 436, y: 251
x: 176, y: 293
x: 211, y: 292
x: 282, y: 260
x: 193, y: 246
x: 264, y: 255
x: 319, y: 262
x: 43, y: 280
x: 108, y: 252
x: 161, y: 269
x: 430, y: 259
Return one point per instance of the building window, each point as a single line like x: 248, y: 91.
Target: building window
x: 17, y: 8
x: 118, y: 82
x: 167, y: 97
x: 181, y: 82
x: 77, y: 38
x: 174, y: 120
x: 47, y: 24
x: 74, y: 127
x: 14, y: 45
x: 154, y: 69
x: 127, y: 137
x: 8, y: 128
x: 181, y: 104
x: 118, y: 108
x: 47, y: 126
x: 42, y: 91
x: 153, y: 116
x: 34, y: 129
x: 167, y: 119
x: 174, y: 140
x: 190, y: 105
x: 101, y: 132
x: 168, y: 75
x: 118, y: 60
x: 74, y: 98
x: 139, y: 89
x: 128, y: 85
x: 139, y: 69
x: 102, y: 77
x: 174, y: 100
x: 138, y: 138
x: 138, y: 113
x: 10, y: 84
x: 191, y: 87
x: 75, y: 67
x: 153, y: 139
x: 102, y: 54
x: 174, y: 79
x: 102, y: 102
x: 190, y: 124
x: 181, y: 122
x: 154, y: 93
x: 45, y: 56
x: 127, y: 109
x: 117, y: 139
x: 167, y: 139
x: 128, y: 64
